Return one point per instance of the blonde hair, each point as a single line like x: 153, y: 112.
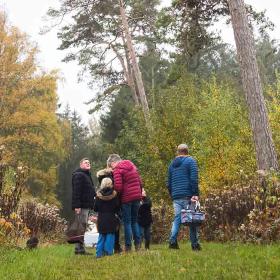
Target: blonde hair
x: 106, y: 183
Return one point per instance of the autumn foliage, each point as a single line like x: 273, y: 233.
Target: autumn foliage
x: 31, y: 141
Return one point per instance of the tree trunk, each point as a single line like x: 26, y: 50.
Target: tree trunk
x: 135, y: 66
x: 244, y: 39
x: 130, y: 72
x: 127, y: 74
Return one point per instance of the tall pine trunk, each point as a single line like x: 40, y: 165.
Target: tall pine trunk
x: 244, y: 39
x: 135, y: 66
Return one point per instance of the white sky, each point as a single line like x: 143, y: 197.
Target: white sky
x: 27, y: 16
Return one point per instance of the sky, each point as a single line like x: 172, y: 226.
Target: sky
x: 28, y: 16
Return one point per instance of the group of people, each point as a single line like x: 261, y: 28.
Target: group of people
x: 121, y: 199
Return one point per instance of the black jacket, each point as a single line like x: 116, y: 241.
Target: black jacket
x: 145, y: 212
x: 83, y: 191
x: 107, y: 205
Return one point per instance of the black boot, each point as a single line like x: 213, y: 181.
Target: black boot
x: 117, y: 246
x: 127, y: 248
x: 117, y: 249
x: 137, y: 247
x: 147, y: 244
x: 173, y: 245
x: 79, y: 248
x: 196, y: 247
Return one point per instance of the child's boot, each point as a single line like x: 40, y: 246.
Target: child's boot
x: 147, y: 244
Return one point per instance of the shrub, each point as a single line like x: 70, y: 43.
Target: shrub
x: 42, y: 219
x: 12, y: 183
x: 162, y: 219
x: 248, y: 212
x: 12, y: 230
x: 263, y: 223
x: 226, y: 210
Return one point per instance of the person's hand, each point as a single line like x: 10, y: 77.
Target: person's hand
x: 78, y: 211
x: 194, y: 198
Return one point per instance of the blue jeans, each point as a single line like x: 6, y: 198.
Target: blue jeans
x: 105, y: 244
x: 178, y: 205
x: 129, y: 215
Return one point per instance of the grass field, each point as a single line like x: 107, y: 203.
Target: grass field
x: 215, y: 261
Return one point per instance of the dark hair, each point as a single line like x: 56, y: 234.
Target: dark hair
x: 83, y: 159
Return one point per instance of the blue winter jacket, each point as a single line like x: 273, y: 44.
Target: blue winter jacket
x: 183, y: 177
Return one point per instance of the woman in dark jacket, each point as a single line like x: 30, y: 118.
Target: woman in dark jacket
x: 145, y: 218
x: 107, y: 206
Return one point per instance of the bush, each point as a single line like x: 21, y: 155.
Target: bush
x: 163, y: 215
x: 226, y: 210
x: 263, y: 223
x: 42, y: 219
x: 12, y: 183
x: 162, y: 219
x: 12, y: 230
x: 247, y: 212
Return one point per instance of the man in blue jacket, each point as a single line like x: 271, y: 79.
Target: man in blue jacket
x: 182, y: 185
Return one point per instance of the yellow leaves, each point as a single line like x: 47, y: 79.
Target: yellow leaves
x: 17, y: 59
x: 8, y: 225
x: 26, y: 231
x: 13, y: 215
x: 5, y: 226
x: 29, y: 127
x: 12, y: 228
x: 2, y: 221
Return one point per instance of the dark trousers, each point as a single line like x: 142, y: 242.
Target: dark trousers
x: 117, y: 246
x: 79, y: 247
x: 145, y: 233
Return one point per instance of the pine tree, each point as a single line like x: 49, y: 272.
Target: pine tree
x: 264, y: 146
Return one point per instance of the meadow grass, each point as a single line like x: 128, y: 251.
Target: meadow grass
x: 215, y: 261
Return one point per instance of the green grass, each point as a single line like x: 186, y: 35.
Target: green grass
x: 216, y: 261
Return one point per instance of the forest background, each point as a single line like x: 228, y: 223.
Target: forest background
x: 194, y: 95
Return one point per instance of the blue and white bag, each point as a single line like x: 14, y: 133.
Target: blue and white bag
x: 192, y: 215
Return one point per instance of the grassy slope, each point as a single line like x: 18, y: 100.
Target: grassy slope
x: 216, y: 261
